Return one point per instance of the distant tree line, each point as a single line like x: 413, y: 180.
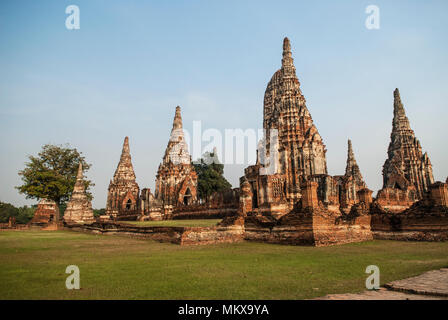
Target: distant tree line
x: 22, y: 214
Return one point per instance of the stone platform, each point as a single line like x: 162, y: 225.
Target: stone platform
x: 176, y: 235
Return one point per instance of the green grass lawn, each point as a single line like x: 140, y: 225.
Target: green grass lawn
x: 177, y: 223
x: 33, y: 263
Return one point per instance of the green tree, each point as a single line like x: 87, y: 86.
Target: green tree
x: 7, y: 210
x: 22, y: 214
x: 25, y: 214
x: 99, y: 212
x: 210, y: 176
x: 52, y: 174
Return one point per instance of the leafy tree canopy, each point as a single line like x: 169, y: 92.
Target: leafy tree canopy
x: 52, y: 173
x: 210, y: 175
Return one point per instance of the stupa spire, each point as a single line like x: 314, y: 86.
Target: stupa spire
x: 398, y: 105
x: 287, y: 60
x: 286, y: 47
x: 125, y: 170
x: 406, y: 165
x: 400, y: 120
x: 79, y: 175
x: 352, y: 167
x: 176, y: 180
x: 79, y: 208
x: 125, y: 151
x: 177, y: 149
x: 123, y: 189
x: 177, y: 122
x: 284, y: 109
x: 350, y: 154
x: 79, y: 184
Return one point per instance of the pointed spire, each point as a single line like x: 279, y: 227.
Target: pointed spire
x: 400, y: 120
x: 177, y: 149
x: 125, y: 150
x: 79, y: 184
x: 79, y: 175
x: 286, y: 47
x: 177, y: 133
x: 350, y: 156
x: 398, y: 105
x: 125, y: 170
x: 287, y: 60
x: 405, y: 157
x: 177, y: 122
x: 79, y: 208
x: 352, y: 167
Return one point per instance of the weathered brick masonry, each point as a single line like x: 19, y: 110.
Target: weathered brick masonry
x: 177, y: 235
x: 287, y: 196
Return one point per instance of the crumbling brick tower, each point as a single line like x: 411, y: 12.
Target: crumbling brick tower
x: 301, y: 152
x: 351, y: 182
x: 47, y: 211
x: 176, y: 180
x: 292, y: 150
x: 79, y: 208
x: 123, y: 192
x: 406, y: 167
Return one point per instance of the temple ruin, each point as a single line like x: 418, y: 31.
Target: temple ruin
x: 293, y: 153
x: 292, y: 197
x: 287, y: 196
x: 123, y: 191
x: 351, y: 182
x: 176, y: 180
x: 79, y: 208
x: 47, y: 212
x: 407, y: 172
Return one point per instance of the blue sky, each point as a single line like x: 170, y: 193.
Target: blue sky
x: 131, y: 62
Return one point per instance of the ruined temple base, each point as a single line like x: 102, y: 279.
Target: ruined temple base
x: 7, y: 227
x: 177, y: 235
x: 53, y: 226
x: 418, y: 223
x: 433, y: 236
x: 312, y: 229
x: 194, y: 211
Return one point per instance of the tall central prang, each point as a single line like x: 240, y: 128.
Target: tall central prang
x: 301, y: 151
x: 292, y: 153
